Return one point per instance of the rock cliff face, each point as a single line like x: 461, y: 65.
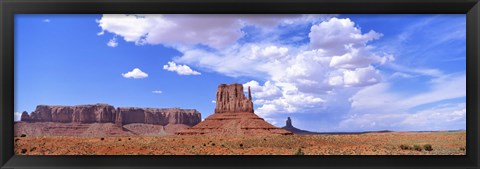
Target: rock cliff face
x: 25, y: 117
x: 233, y: 115
x: 103, y: 113
x: 230, y: 98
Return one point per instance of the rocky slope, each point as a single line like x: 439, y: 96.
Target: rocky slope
x: 233, y: 115
x: 105, y: 120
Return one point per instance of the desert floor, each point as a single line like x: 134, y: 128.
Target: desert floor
x: 443, y: 143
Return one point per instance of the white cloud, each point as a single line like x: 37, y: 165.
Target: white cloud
x: 46, y: 20
x: 296, y: 77
x: 415, y: 70
x: 374, y: 97
x: 289, y: 100
x: 17, y: 116
x: 112, y: 42
x: 268, y: 90
x: 180, y: 69
x: 358, y: 58
x: 337, y: 65
x: 382, y: 97
x: 442, y: 88
x: 381, y: 106
x: 274, y: 51
x: 157, y: 92
x: 135, y: 73
x: 213, y: 101
x: 361, y: 76
x: 443, y: 117
x: 216, y: 31
x: 336, y: 35
x: 131, y: 27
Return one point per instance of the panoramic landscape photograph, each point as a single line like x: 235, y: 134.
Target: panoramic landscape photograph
x: 240, y: 84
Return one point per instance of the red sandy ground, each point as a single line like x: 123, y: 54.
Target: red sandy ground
x: 443, y: 143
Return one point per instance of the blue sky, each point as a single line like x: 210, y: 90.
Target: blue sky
x: 326, y: 72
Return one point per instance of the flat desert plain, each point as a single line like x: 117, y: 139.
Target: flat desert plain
x: 388, y: 143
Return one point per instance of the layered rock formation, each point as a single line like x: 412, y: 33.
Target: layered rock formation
x: 230, y: 98
x: 103, y: 113
x: 233, y: 115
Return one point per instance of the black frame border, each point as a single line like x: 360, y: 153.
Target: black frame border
x: 8, y: 8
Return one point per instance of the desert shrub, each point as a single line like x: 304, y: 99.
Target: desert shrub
x: 405, y: 147
x: 119, y: 139
x: 102, y: 138
x: 427, y: 147
x: 33, y: 149
x: 24, y: 151
x: 299, y: 152
x: 213, y: 144
x: 241, y: 145
x: 417, y: 147
x: 23, y: 135
x: 462, y: 148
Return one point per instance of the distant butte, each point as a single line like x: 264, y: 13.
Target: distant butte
x: 234, y: 115
x: 104, y: 119
x: 289, y: 127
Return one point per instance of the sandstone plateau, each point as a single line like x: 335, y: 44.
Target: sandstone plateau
x: 234, y: 115
x: 103, y: 119
x: 104, y: 113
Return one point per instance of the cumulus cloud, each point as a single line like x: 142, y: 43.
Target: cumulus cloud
x: 296, y: 78
x: 268, y: 90
x: 180, y: 69
x: 46, y: 20
x: 157, y: 92
x: 213, y: 101
x: 112, y: 42
x: 136, y: 73
x: 338, y: 64
x: 361, y: 76
x: 336, y: 35
x: 216, y: 31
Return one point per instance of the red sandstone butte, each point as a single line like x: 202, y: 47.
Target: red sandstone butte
x: 234, y: 115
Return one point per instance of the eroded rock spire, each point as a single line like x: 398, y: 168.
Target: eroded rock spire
x: 230, y: 98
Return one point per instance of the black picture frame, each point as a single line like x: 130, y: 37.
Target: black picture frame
x: 9, y: 8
